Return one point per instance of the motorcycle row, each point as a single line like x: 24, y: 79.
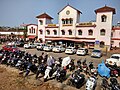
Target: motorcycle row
x: 48, y: 67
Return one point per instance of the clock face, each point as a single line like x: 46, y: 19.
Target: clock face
x: 67, y: 12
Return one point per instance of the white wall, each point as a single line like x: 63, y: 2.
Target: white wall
x: 9, y: 33
x: 73, y: 14
x: 104, y: 25
x: 116, y: 35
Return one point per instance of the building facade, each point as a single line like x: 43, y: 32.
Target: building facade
x: 70, y: 29
x: 116, y: 35
x: 32, y: 31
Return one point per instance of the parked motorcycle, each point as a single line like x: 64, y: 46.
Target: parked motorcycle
x: 114, y: 85
x: 113, y: 72
x: 105, y: 84
x: 76, y: 79
x: 91, y: 83
x: 61, y: 75
x: 71, y: 65
x: 41, y: 70
x: 94, y: 71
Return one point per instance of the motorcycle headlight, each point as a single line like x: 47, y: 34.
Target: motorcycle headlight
x: 76, y: 80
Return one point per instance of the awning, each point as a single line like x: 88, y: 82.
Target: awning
x: 31, y: 37
x: 74, y: 40
x: 21, y: 36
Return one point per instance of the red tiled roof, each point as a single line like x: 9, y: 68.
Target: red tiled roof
x: 44, y: 15
x: 31, y: 36
x: 116, y: 28
x: 115, y: 38
x: 51, y: 27
x: 105, y: 9
x: 71, y: 7
x: 71, y: 39
x: 86, y: 25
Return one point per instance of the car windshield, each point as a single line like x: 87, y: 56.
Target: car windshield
x: 69, y: 48
x: 97, y: 51
x: 115, y: 57
x: 57, y: 46
x: 81, y: 49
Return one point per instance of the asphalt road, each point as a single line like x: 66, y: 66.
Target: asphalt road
x: 96, y: 61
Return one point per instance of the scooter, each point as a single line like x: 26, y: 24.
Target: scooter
x: 71, y: 66
x: 94, y: 71
x: 76, y: 79
x: 48, y: 73
x: 113, y: 72
x: 61, y: 75
x: 91, y: 83
x: 114, y: 85
x: 41, y: 70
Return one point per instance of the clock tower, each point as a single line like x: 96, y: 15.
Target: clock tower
x: 68, y: 17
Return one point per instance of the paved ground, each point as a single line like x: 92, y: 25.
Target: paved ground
x: 76, y: 57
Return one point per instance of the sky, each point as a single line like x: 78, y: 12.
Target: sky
x: 13, y: 13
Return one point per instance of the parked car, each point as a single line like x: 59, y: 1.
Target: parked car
x: 70, y: 50
x: 114, y: 59
x: 36, y: 44
x: 11, y: 48
x: 29, y: 45
x: 96, y: 53
x: 20, y: 44
x: 48, y: 48
x: 58, y: 49
x: 82, y: 51
x: 41, y: 46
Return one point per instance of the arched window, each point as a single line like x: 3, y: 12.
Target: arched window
x: 41, y: 32
x: 71, y: 20
x: 34, y: 30
x: 66, y: 21
x: 41, y: 22
x: 63, y: 21
x: 79, y: 32
x: 103, y: 18
x: 102, y: 32
x: 90, y: 32
x: 102, y: 44
x: 29, y: 30
x: 55, y: 32
x: 70, y: 32
x: 63, y: 32
x: 48, y: 32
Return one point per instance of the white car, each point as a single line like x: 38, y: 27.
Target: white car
x: 36, y: 43
x: 70, y: 50
x: 41, y: 46
x: 91, y: 83
x: 58, y: 49
x: 96, y: 53
x: 29, y: 45
x: 82, y: 51
x: 115, y: 58
x: 48, y: 48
